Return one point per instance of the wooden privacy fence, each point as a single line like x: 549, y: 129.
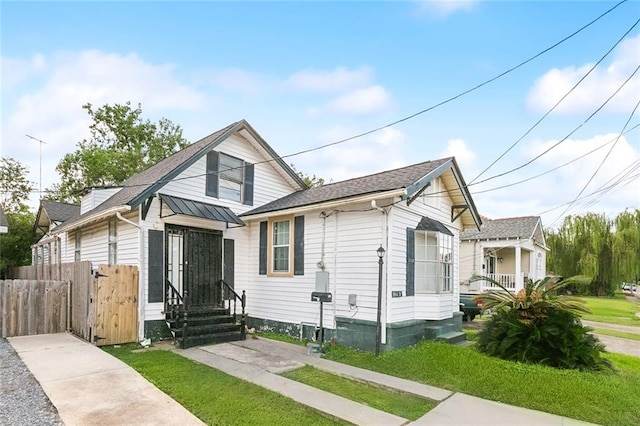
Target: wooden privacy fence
x: 100, y: 308
x: 33, y: 307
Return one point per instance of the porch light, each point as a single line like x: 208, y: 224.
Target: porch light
x: 380, y: 252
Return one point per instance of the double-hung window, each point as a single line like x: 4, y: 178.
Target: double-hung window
x: 113, y: 242
x: 429, y: 258
x: 229, y: 178
x: 433, y: 262
x: 281, y: 243
x: 78, y: 244
x: 281, y: 250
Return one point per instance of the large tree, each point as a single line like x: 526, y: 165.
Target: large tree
x: 122, y: 144
x: 594, y: 245
x: 15, y: 186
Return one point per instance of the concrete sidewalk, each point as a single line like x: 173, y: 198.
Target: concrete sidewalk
x: 261, y: 360
x: 90, y: 387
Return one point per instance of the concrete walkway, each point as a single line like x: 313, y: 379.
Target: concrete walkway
x: 261, y: 360
x: 90, y: 387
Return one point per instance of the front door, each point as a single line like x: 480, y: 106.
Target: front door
x: 194, y: 262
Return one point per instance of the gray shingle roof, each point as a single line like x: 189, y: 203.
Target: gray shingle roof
x: 60, y: 212
x: 140, y: 186
x: 513, y: 227
x: 379, y: 182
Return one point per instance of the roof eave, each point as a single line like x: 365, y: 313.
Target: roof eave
x: 91, y: 219
x: 326, y: 205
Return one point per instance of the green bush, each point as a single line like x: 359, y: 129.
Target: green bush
x: 559, y: 340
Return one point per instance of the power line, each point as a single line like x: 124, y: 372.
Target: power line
x: 557, y: 103
x: 569, y: 134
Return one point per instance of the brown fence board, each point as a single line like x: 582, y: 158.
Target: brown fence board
x: 33, y: 307
x: 116, y: 304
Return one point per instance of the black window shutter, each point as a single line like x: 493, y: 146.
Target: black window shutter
x: 212, y: 174
x: 411, y: 262
x: 298, y: 246
x: 229, y: 261
x: 156, y: 266
x: 248, y: 184
x: 262, y: 256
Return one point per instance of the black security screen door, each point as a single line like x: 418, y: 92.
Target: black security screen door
x: 201, y: 264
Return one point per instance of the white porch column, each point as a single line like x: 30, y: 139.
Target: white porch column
x: 518, y: 270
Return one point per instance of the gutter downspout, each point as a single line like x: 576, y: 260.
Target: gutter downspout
x: 385, y: 240
x: 140, y: 271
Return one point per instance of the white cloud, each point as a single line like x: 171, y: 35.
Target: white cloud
x: 51, y: 107
x: 595, y: 89
x: 373, y: 153
x: 440, y: 9
x: 458, y: 148
x: 337, y: 79
x: 549, y: 193
x: 239, y: 80
x: 369, y: 100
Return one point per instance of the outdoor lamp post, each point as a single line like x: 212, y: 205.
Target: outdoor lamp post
x: 380, y: 253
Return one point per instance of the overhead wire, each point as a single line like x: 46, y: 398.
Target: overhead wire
x: 446, y: 101
x: 575, y: 129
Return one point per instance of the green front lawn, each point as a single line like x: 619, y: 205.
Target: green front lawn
x: 401, y: 404
x: 215, y: 397
x: 612, y: 310
x: 603, y: 398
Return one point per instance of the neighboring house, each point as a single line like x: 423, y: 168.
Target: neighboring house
x: 51, y: 214
x: 4, y: 224
x: 505, y: 250
x: 227, y: 210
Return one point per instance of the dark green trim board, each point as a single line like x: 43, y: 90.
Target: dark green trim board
x: 212, y: 174
x: 157, y: 330
x: 247, y: 193
x: 411, y: 265
x: 155, y: 270
x: 298, y: 246
x: 262, y: 252
x: 309, y: 331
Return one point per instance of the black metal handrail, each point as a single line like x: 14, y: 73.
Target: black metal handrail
x: 173, y: 301
x: 229, y: 294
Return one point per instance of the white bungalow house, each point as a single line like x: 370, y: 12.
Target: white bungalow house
x: 507, y: 250
x: 227, y: 213
x: 4, y: 223
x: 50, y: 245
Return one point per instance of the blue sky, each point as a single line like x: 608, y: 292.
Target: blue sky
x: 306, y: 74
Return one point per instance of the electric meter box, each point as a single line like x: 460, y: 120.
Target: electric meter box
x: 322, y: 281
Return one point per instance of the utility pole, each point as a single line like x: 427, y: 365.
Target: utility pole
x: 41, y: 143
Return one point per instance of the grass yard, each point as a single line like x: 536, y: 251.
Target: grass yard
x: 215, y: 397
x: 401, y: 404
x: 612, y: 310
x: 602, y: 398
x: 616, y: 333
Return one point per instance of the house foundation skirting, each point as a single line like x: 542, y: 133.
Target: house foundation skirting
x: 360, y: 334
x: 157, y: 330
x: 303, y: 331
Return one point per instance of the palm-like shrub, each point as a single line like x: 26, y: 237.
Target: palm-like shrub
x: 538, y: 326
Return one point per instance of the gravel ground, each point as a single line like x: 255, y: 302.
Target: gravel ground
x: 22, y: 400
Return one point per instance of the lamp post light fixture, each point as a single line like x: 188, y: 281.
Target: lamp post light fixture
x: 380, y: 252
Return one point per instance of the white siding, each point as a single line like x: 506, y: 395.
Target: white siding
x: 269, y: 185
x: 95, y: 197
x: 435, y: 204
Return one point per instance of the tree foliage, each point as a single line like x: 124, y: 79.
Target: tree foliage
x: 122, y: 144
x: 310, y: 181
x: 15, y: 187
x: 15, y: 246
x: 593, y: 245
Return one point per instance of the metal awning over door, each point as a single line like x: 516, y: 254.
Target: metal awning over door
x: 199, y: 209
